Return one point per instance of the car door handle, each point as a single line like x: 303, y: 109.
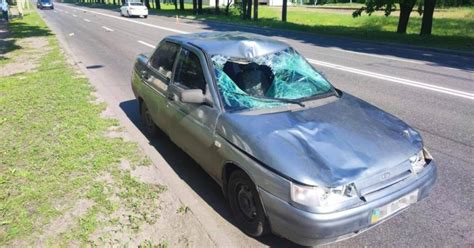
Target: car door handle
x: 171, y: 97
x: 145, y: 75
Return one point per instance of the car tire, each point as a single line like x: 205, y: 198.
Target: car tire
x: 150, y: 127
x: 145, y: 16
x: 128, y: 14
x: 245, y: 205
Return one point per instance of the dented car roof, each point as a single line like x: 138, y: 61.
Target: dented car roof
x: 232, y: 44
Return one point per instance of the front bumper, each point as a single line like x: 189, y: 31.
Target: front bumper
x: 307, y: 228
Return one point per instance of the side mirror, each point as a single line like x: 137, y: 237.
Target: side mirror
x: 192, y: 96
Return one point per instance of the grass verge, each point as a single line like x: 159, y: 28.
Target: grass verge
x: 452, y: 28
x: 60, y: 179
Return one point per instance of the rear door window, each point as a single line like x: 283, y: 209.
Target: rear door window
x: 189, y: 71
x: 163, y: 59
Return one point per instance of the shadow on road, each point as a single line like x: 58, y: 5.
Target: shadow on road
x: 189, y: 171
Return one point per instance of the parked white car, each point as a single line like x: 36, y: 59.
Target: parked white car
x: 134, y: 8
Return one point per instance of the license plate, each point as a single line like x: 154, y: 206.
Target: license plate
x: 383, y: 212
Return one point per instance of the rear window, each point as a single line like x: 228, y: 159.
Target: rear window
x: 136, y: 4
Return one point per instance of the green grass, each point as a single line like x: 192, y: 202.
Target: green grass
x: 452, y: 28
x: 53, y: 150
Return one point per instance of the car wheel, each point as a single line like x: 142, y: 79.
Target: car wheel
x: 128, y: 14
x: 245, y: 204
x: 150, y: 126
x: 145, y: 16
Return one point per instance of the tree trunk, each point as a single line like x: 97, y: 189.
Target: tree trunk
x: 217, y: 6
x: 147, y: 3
x: 427, y: 21
x: 255, y: 10
x: 175, y: 4
x: 181, y: 4
x: 157, y: 4
x: 244, y: 9
x: 249, y: 9
x: 405, y: 11
x: 199, y: 6
x: 283, y: 10
x: 194, y: 6
x: 227, y: 6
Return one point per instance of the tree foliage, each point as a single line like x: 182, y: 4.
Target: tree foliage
x: 424, y: 7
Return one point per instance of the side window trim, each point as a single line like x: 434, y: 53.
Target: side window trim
x: 175, y: 67
x: 206, y: 66
x: 163, y: 77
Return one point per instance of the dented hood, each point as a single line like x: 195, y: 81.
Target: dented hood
x: 330, y: 145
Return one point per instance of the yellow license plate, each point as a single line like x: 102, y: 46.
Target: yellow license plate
x: 385, y: 211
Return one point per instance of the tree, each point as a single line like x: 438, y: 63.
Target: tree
x: 181, y: 4
x: 217, y: 6
x: 425, y: 8
x: 243, y: 9
x: 157, y: 4
x: 175, y: 4
x: 199, y: 6
x: 406, y: 7
x: 227, y: 6
x: 194, y: 6
x: 284, y: 10
x: 427, y: 21
x: 249, y: 10
x: 147, y: 3
x: 255, y: 10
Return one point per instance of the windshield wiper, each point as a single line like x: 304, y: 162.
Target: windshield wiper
x: 272, y: 99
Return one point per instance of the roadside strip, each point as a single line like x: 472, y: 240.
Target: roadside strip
x: 397, y: 80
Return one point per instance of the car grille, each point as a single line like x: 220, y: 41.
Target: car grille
x: 369, y: 187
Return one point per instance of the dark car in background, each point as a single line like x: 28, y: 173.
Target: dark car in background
x: 45, y: 4
x: 294, y: 155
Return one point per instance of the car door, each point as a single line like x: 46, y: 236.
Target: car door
x: 192, y: 125
x: 157, y: 78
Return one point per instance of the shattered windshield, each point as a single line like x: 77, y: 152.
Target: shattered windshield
x: 268, y: 81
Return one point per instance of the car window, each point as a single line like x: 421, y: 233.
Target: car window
x: 189, y: 71
x: 163, y: 58
x: 136, y: 4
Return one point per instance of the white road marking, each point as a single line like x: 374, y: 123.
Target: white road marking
x: 397, y: 80
x: 87, y: 20
x: 146, y: 44
x: 133, y: 21
x: 71, y: 34
x: 407, y: 82
x: 107, y: 29
x: 381, y: 56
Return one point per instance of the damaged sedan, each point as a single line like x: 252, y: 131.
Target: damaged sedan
x: 294, y: 155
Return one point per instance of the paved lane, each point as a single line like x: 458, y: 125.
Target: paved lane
x: 433, y: 92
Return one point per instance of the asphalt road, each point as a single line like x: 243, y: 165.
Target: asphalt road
x: 431, y: 91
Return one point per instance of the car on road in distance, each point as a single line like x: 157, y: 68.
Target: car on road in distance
x: 294, y: 155
x: 134, y: 8
x: 45, y: 4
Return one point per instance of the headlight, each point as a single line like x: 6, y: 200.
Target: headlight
x: 418, y: 161
x: 314, y: 196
